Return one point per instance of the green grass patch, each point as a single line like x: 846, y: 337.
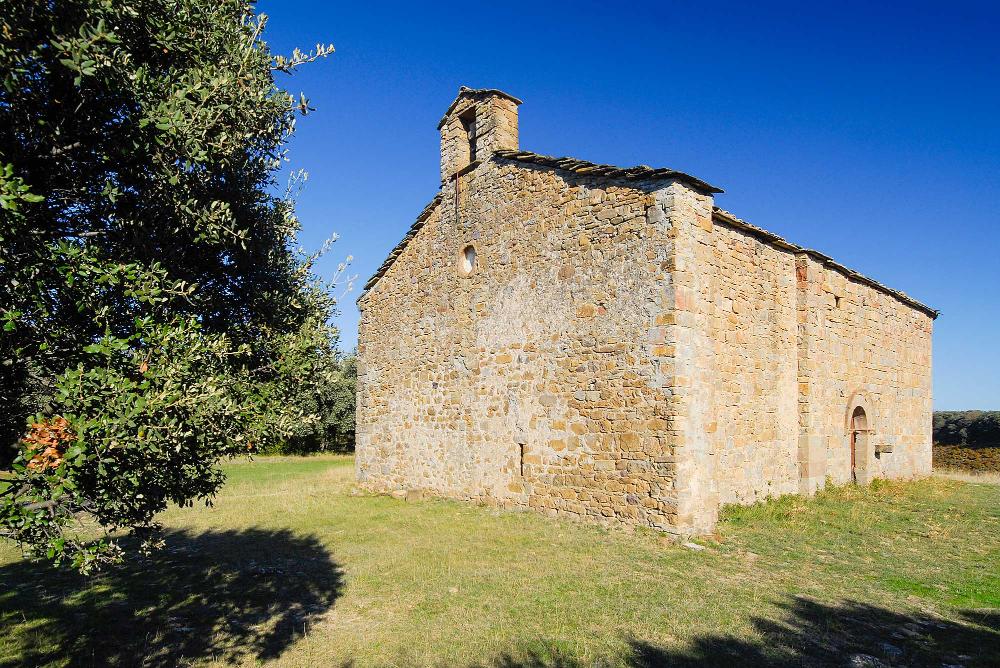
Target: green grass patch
x: 293, y: 565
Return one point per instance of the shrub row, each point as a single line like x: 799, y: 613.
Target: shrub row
x: 969, y: 428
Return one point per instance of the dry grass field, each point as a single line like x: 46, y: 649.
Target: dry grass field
x: 293, y: 567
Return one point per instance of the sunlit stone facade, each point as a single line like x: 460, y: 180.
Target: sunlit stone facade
x: 605, y: 343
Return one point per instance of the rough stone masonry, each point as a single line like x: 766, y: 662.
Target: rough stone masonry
x: 601, y: 342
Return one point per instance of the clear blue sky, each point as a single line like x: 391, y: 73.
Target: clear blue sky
x: 871, y: 134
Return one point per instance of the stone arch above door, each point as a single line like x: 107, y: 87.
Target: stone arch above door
x: 861, y: 423
x: 861, y: 400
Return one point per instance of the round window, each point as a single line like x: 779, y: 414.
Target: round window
x: 467, y: 261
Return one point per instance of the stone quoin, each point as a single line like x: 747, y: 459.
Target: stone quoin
x: 603, y: 342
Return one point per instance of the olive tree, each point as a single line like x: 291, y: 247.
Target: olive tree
x: 156, y: 313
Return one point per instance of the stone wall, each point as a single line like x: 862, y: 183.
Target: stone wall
x: 612, y: 349
x: 861, y: 346
x: 541, y: 379
x: 746, y: 310
x: 492, y: 117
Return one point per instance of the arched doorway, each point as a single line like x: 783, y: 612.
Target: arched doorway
x: 859, y: 441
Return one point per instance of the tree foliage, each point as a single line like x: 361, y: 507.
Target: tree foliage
x: 156, y: 314
x: 969, y: 428
x: 331, y: 397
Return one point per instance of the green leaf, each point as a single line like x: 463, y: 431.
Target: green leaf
x: 219, y: 336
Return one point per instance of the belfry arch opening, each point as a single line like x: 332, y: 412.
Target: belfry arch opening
x: 468, y: 120
x: 859, y: 419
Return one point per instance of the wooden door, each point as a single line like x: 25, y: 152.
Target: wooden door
x: 854, y: 447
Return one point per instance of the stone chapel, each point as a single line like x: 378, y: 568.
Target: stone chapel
x: 604, y: 342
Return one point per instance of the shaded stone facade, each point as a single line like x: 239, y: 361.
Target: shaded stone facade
x: 606, y: 343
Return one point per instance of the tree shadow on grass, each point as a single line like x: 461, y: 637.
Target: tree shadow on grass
x: 810, y: 633
x: 988, y: 617
x: 224, y: 595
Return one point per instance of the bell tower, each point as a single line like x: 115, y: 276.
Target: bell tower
x: 479, y: 122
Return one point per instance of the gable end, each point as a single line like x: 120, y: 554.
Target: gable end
x: 401, y: 246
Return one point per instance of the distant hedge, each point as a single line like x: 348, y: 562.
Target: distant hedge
x: 974, y: 429
x: 966, y: 458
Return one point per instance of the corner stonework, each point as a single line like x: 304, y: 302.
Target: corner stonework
x: 686, y: 211
x: 812, y: 451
